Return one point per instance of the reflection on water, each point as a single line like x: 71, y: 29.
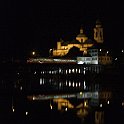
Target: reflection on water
x: 20, y: 81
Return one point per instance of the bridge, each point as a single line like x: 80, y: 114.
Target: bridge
x: 79, y: 95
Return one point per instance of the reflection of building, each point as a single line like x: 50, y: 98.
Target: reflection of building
x: 64, y: 77
x: 73, y: 67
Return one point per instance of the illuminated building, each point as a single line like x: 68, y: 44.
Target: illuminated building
x: 86, y: 46
x: 81, y: 50
x: 81, y: 41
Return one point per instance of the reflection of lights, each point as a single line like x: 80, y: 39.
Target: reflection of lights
x: 84, y: 85
x: 122, y: 51
x: 73, y: 70
x: 26, y: 113
x: 100, y: 105
x: 73, y: 84
x: 79, y: 71
x: 33, y: 98
x: 85, y: 103
x: 76, y: 70
x: 81, y: 93
x: 13, y: 109
x: 122, y: 103
x: 40, y: 81
x: 51, y: 107
x: 69, y: 70
x: 20, y: 87
x: 60, y: 84
x: 66, y: 83
x: 33, y: 53
x: 108, y: 102
x: 116, y: 58
x: 60, y: 70
x: 79, y: 84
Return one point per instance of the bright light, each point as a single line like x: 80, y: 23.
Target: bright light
x: 20, y: 87
x: 13, y: 110
x: 100, y: 105
x: 80, y: 62
x: 122, y: 103
x: 33, y: 98
x: 69, y: 83
x: 51, y: 107
x: 76, y: 84
x: 66, y: 109
x: 26, y: 113
x: 84, y: 85
x: 33, y: 53
x: 79, y: 84
x: 81, y: 93
x: 73, y: 84
x: 108, y: 102
x: 85, y: 103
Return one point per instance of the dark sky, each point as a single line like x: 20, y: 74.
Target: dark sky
x: 32, y: 25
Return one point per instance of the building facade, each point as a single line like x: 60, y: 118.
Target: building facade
x: 91, y: 51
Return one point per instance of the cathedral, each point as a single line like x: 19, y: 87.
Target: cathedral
x: 91, y: 50
x: 81, y: 41
x: 81, y: 50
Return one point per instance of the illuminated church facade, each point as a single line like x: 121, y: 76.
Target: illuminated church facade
x: 92, y: 52
x: 82, y: 41
x: 81, y: 50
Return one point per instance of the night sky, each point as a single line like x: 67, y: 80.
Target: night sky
x: 32, y: 25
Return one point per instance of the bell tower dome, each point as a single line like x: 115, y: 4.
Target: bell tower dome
x: 98, y: 32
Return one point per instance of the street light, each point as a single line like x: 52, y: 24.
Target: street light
x: 33, y: 53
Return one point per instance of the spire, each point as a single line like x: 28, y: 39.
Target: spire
x: 81, y: 30
x: 98, y: 23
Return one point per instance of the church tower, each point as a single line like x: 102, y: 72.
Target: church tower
x: 98, y: 32
x: 81, y: 37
